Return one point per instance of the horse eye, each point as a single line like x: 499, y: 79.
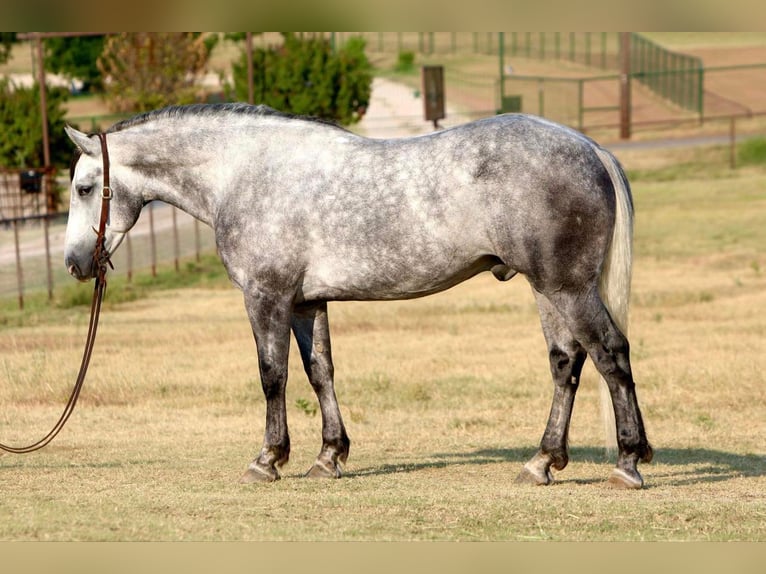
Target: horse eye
x: 84, y: 190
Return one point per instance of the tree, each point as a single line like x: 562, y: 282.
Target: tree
x: 76, y: 58
x: 21, y: 137
x: 6, y: 41
x: 308, y: 77
x: 143, y: 71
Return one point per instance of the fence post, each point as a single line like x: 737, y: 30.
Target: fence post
x: 501, y: 58
x: 197, y: 241
x: 624, y: 85
x: 571, y: 46
x: 700, y: 93
x: 49, y: 271
x: 732, y: 143
x: 19, y: 270
x: 152, y: 240
x: 176, y: 243
x: 129, y: 245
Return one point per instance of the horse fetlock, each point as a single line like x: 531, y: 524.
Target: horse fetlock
x: 647, y: 453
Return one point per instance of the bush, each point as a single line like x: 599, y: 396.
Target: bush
x: 752, y: 152
x: 76, y: 58
x: 306, y: 77
x: 405, y: 62
x: 148, y: 70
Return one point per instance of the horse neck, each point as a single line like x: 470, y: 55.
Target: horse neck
x: 164, y: 165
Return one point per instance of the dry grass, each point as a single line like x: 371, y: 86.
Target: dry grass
x: 445, y: 398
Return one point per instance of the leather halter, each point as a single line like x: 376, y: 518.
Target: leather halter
x: 100, y: 261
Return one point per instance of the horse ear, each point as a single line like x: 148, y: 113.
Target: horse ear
x: 86, y: 144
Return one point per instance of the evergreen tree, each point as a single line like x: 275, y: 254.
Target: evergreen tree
x: 6, y: 41
x: 308, y: 77
x: 76, y: 58
x: 21, y: 137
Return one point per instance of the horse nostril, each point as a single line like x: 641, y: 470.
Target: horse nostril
x: 74, y: 271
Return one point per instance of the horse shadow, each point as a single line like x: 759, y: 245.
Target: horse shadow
x: 701, y: 465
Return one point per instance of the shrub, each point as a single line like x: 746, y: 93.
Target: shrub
x: 308, y: 77
x: 147, y: 70
x: 405, y: 62
x: 21, y: 137
x: 752, y: 152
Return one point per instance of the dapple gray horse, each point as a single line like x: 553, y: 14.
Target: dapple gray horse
x: 306, y: 212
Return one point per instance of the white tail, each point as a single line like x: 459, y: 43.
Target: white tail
x: 616, y: 274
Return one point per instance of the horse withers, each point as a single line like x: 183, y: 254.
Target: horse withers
x: 305, y: 212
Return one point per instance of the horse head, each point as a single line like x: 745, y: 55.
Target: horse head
x: 87, y: 173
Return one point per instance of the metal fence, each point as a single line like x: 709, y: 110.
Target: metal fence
x: 597, y: 49
x: 676, y: 77
x: 592, y: 103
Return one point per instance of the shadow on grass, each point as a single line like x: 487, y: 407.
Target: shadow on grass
x: 706, y: 465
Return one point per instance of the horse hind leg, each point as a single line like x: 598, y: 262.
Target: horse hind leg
x: 591, y: 324
x: 567, y: 358
x: 312, y: 332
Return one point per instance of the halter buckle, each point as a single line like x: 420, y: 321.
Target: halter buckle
x: 106, y: 192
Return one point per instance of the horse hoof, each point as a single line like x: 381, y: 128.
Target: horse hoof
x: 627, y: 480
x: 324, y: 470
x: 528, y: 476
x: 257, y: 474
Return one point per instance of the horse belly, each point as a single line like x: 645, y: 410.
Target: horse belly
x: 388, y: 279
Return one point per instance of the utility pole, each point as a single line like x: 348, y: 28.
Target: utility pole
x: 625, y: 85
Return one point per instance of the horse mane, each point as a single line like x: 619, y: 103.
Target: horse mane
x: 213, y: 110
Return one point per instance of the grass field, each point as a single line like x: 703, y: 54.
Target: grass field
x: 444, y: 398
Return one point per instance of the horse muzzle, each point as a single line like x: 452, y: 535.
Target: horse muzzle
x: 80, y: 269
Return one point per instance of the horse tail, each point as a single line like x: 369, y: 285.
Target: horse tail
x: 616, y: 272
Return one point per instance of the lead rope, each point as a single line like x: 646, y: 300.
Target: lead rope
x: 101, y: 259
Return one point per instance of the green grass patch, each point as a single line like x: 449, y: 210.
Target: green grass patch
x: 208, y: 272
x: 752, y: 152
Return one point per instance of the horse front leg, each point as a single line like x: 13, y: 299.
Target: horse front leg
x: 312, y: 332
x: 270, y: 319
x: 566, y: 358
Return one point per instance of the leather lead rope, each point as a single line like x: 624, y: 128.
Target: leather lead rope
x: 101, y: 260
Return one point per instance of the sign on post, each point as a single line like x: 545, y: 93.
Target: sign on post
x: 433, y: 93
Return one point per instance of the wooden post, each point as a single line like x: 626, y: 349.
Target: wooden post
x: 176, y: 242
x: 625, y: 85
x: 250, y: 98
x: 19, y: 270
x: 152, y: 240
